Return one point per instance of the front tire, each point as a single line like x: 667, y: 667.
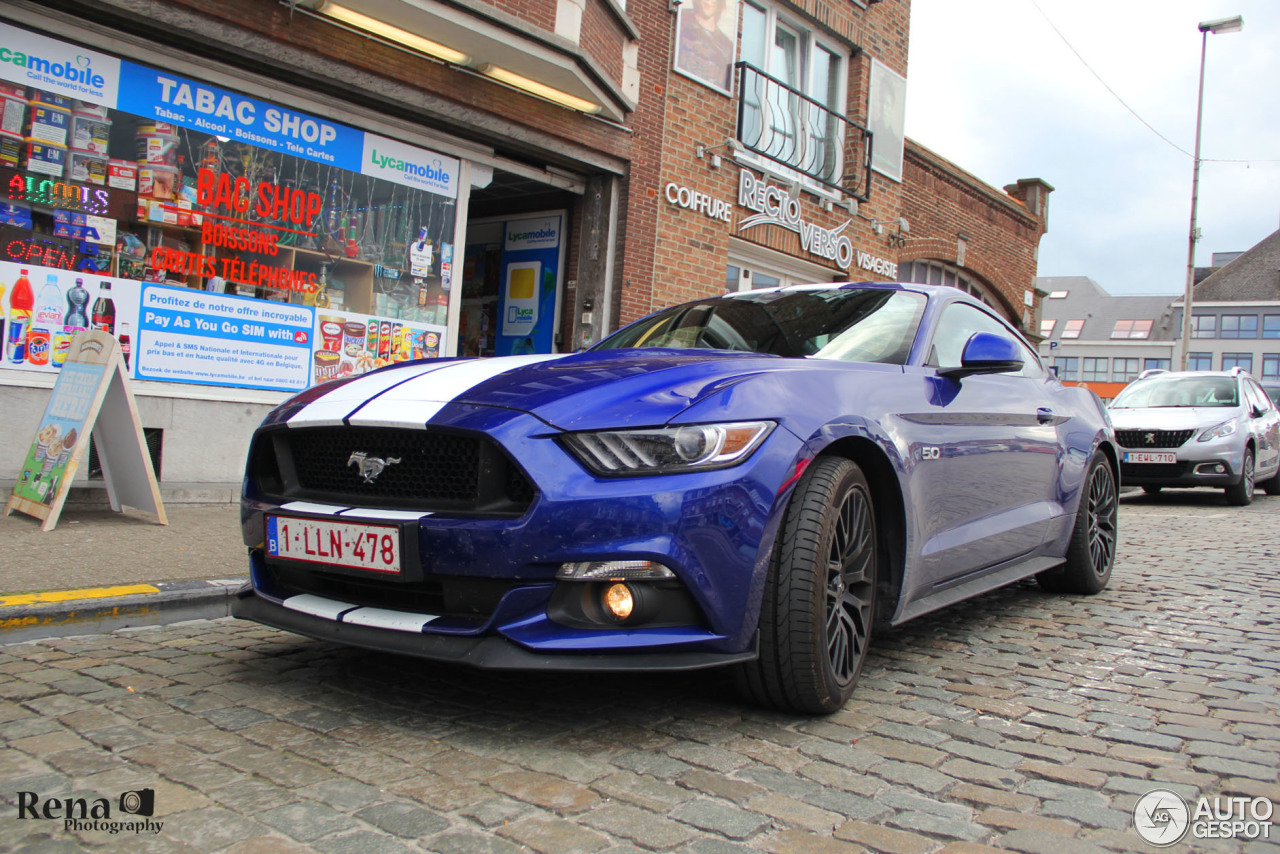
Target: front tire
x: 1240, y: 494
x: 819, y: 597
x: 1092, y: 552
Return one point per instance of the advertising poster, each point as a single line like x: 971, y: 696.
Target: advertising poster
x: 61, y: 433
x: 348, y: 344
x: 190, y: 336
x: 531, y: 253
x: 43, y: 309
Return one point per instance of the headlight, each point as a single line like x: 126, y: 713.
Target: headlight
x: 666, y: 450
x: 1226, y: 428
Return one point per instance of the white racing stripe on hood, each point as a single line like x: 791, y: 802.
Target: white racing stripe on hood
x: 414, y: 403
x: 329, y: 410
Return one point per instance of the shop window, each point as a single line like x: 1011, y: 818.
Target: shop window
x: 1094, y: 370
x: 1199, y: 361
x: 1073, y: 328
x: 232, y: 197
x: 1124, y: 370
x: 1067, y: 368
x: 1237, y: 360
x: 1204, y: 325
x: 1131, y: 329
x: 1239, y: 326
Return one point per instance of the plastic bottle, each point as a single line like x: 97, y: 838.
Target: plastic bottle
x: 21, y: 303
x: 75, y: 320
x: 126, y: 345
x: 104, y: 310
x: 49, y: 306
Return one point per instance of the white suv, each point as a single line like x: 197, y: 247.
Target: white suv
x: 1198, y: 428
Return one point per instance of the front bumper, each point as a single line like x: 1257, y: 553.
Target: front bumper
x: 492, y: 652
x: 713, y: 529
x: 1206, y: 465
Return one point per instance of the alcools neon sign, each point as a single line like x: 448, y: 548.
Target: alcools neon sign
x: 35, y: 190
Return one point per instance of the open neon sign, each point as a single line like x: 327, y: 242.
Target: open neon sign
x: 36, y: 190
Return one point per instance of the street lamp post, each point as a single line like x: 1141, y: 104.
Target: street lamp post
x: 1223, y: 25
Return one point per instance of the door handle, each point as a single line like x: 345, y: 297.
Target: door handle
x: 1044, y: 415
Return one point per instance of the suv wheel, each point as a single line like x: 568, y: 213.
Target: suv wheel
x: 1241, y: 493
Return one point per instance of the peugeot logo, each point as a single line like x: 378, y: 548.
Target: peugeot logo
x: 370, y: 467
x: 1150, y: 438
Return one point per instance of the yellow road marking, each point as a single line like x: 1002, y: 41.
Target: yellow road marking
x: 68, y: 595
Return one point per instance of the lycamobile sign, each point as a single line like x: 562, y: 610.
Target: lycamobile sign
x: 412, y: 167
x: 33, y: 60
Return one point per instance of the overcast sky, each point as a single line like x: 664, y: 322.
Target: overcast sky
x: 993, y: 88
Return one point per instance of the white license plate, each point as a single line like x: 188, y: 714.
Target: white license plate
x: 1149, y: 457
x: 372, y: 547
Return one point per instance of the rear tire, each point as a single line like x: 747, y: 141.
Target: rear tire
x: 1092, y: 552
x: 819, y: 598
x: 1240, y: 494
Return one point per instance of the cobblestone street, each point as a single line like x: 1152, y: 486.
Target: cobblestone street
x: 1021, y: 720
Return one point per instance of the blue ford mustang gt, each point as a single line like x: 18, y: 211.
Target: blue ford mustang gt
x: 751, y: 481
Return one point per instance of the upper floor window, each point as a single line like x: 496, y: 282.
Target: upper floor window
x: 1058, y: 294
x: 1271, y: 326
x: 1046, y: 327
x: 1073, y: 329
x: 1204, y: 325
x: 792, y: 111
x: 1239, y: 326
x: 1156, y: 364
x: 1131, y: 329
x: 1199, y: 361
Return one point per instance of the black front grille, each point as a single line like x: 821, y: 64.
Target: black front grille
x: 472, y: 598
x: 1143, y: 471
x: 1138, y: 439
x: 419, y: 469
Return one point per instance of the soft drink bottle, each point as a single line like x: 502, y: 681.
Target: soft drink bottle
x: 21, y: 303
x: 126, y: 345
x: 104, y: 310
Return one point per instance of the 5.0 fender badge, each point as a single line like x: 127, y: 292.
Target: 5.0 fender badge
x: 370, y: 467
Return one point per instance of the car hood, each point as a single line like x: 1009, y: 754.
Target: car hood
x: 1171, y: 417
x: 583, y: 391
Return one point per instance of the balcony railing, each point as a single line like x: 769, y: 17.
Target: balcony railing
x: 798, y: 133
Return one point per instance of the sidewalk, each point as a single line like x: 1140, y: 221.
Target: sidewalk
x: 99, y: 570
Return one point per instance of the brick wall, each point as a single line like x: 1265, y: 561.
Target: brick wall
x: 943, y: 202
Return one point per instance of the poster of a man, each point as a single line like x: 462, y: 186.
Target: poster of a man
x: 706, y: 38
x: 887, y: 113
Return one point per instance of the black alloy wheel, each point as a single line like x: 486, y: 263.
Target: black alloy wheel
x: 1091, y: 554
x: 818, y: 604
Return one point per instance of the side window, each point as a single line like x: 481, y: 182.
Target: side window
x: 1256, y: 396
x: 959, y: 322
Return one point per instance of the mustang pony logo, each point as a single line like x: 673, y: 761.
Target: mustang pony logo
x: 370, y: 467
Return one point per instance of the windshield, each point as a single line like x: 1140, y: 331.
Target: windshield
x: 1178, y: 391
x: 854, y: 325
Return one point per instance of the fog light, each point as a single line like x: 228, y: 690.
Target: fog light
x: 619, y: 602
x: 609, y: 570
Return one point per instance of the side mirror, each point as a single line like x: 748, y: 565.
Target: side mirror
x: 986, y: 353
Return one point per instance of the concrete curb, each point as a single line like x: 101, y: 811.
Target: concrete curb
x: 166, y: 602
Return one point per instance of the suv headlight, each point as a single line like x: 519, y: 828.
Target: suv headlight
x: 667, y: 450
x: 1226, y: 428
